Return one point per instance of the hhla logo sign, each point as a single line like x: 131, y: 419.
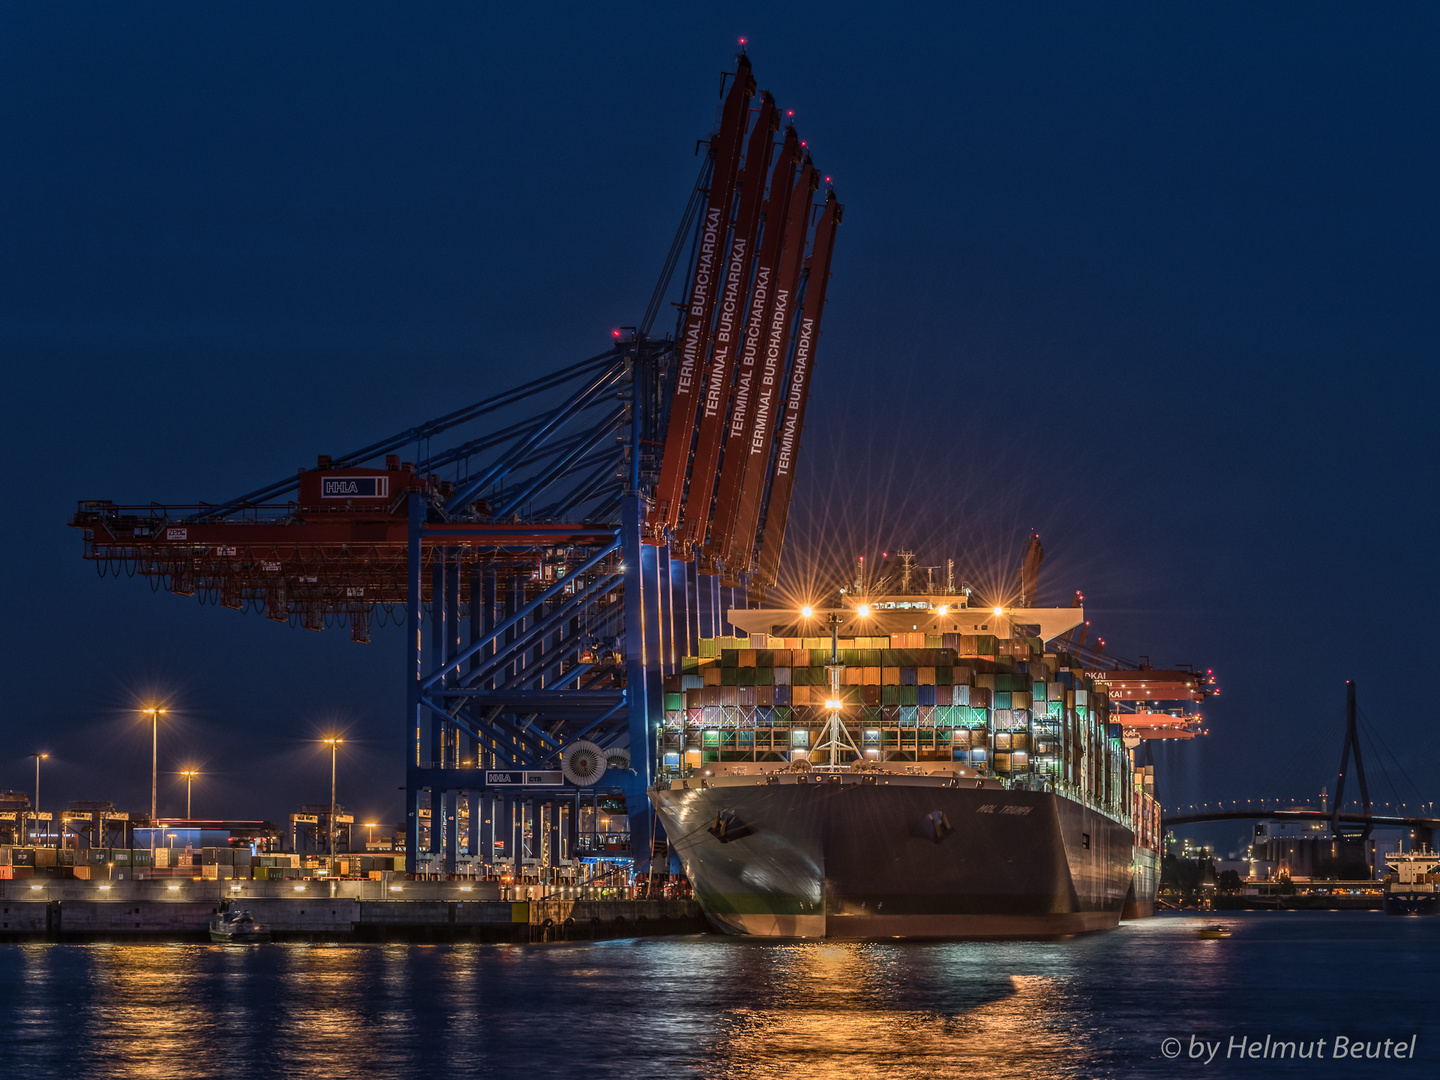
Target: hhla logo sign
x: 355, y: 487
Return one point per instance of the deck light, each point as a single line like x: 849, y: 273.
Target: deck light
x: 833, y: 704
x: 807, y: 612
x: 36, y: 888
x: 863, y: 611
x: 173, y: 888
x: 944, y: 610
x: 997, y: 611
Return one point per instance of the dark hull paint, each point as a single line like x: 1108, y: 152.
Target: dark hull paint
x: 1412, y: 903
x: 1144, y: 885
x: 850, y: 859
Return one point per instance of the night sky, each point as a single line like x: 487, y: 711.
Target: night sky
x: 1159, y: 281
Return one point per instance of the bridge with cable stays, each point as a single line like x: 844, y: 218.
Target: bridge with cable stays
x: 552, y: 551
x: 1423, y: 826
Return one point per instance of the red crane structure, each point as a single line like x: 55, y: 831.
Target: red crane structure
x: 553, y: 550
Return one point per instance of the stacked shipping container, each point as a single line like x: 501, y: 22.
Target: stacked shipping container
x: 998, y: 707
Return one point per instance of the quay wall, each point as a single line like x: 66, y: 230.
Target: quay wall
x: 334, y: 911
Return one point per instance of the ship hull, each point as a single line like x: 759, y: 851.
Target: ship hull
x: 1403, y: 902
x: 1144, y: 884
x: 850, y: 857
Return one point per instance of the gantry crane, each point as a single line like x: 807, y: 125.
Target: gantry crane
x: 553, y: 550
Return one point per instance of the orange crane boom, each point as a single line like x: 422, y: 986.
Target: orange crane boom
x: 696, y: 513
x: 747, y: 374
x: 740, y: 550
x: 680, y: 432
x: 777, y: 511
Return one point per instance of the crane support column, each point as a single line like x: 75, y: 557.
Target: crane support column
x: 414, y: 608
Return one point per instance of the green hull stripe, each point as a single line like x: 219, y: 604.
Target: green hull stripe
x: 758, y: 904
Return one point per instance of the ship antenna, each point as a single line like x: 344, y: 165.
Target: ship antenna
x: 834, y: 737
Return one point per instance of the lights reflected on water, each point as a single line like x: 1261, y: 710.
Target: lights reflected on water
x: 689, y: 1007
x: 843, y: 1010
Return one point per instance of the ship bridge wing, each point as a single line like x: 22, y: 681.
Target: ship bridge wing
x: 923, y: 614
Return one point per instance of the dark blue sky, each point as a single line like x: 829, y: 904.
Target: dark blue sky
x: 1158, y: 280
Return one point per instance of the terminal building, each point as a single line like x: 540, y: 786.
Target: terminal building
x: 1309, y: 850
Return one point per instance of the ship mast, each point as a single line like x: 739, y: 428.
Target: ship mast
x: 834, y: 737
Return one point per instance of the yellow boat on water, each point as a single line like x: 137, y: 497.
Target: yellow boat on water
x: 1217, y: 931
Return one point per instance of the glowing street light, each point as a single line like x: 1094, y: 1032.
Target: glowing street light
x: 155, y: 712
x: 189, y: 775
x: 371, y: 826
x: 334, y: 744
x: 36, y: 808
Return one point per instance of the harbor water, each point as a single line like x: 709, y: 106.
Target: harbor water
x: 1137, y: 1002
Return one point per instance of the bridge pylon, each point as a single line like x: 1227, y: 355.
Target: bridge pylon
x: 1352, y: 742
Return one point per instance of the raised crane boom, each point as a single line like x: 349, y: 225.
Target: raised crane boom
x: 772, y: 376
x: 747, y: 374
x: 777, y: 511
x: 665, y: 514
x: 696, y: 516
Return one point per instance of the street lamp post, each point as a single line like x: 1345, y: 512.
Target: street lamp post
x: 334, y: 744
x: 371, y: 838
x: 154, y: 711
x: 189, y: 775
x: 36, y: 808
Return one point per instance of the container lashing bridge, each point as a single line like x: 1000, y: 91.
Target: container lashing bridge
x: 554, y: 550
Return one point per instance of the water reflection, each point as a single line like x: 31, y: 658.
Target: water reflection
x: 705, y: 1006
x: 840, y: 1017
x: 149, y: 1008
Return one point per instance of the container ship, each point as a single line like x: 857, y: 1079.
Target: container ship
x: 910, y: 765
x: 1410, y: 883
